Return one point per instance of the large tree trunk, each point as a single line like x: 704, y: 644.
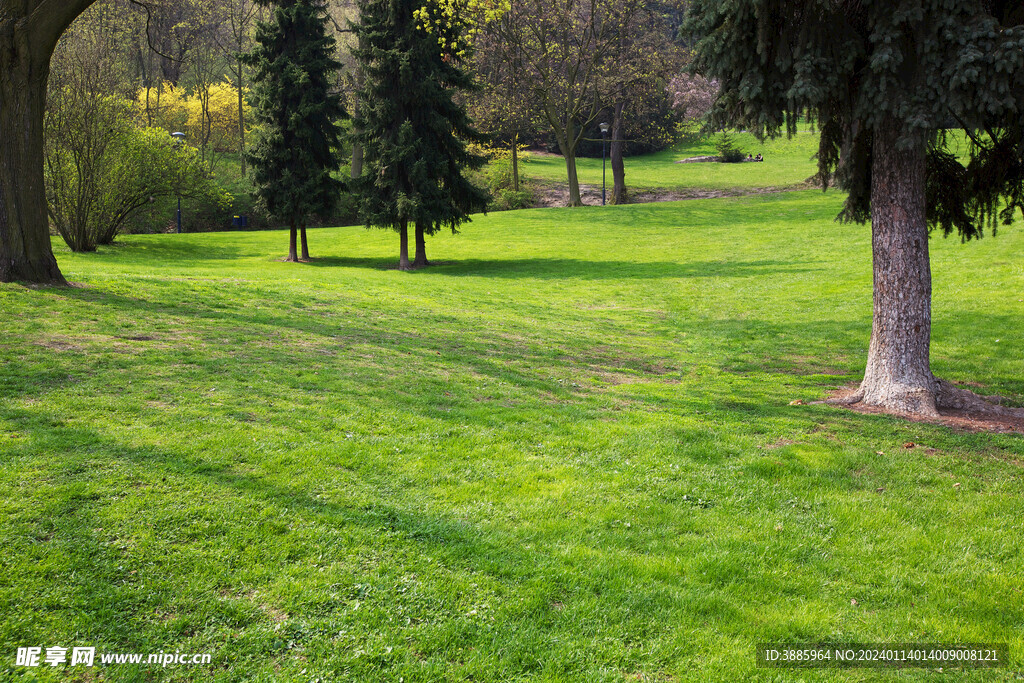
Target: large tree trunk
x: 403, y: 246
x: 898, y: 377
x: 618, y: 166
x: 421, y: 247
x: 293, y: 252
x: 25, y: 251
x: 28, y: 33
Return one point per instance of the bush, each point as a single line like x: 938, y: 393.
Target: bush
x: 504, y: 196
x: 729, y: 152
x: 100, y: 169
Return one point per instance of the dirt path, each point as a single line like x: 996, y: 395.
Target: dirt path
x: 550, y: 194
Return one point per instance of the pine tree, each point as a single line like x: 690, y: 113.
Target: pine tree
x: 884, y: 79
x: 413, y: 132
x: 299, y: 143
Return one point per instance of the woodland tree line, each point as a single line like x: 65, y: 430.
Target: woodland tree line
x: 543, y: 75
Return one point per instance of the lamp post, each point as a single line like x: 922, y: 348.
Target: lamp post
x: 604, y: 156
x: 178, y: 138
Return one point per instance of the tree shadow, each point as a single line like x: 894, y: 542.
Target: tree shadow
x: 577, y: 269
x: 166, y: 251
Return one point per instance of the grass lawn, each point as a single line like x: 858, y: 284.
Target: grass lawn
x: 788, y: 163
x: 566, y: 454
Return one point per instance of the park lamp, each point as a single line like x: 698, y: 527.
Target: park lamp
x: 179, y: 137
x: 604, y: 156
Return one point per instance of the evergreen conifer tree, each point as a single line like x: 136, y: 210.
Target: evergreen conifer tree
x: 884, y: 79
x: 413, y: 132
x: 299, y: 143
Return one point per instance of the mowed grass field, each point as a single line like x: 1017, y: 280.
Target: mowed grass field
x: 788, y: 163
x: 566, y: 453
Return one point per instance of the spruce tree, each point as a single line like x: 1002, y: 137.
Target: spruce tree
x: 298, y: 145
x: 884, y: 80
x: 413, y: 131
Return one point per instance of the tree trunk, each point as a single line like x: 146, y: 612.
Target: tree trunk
x: 293, y: 255
x: 898, y: 376
x: 305, y: 245
x: 421, y: 247
x: 357, y: 159
x: 568, y: 149
x: 241, y: 118
x: 357, y: 147
x: 515, y: 162
x: 618, y: 167
x: 403, y: 246
x: 25, y: 251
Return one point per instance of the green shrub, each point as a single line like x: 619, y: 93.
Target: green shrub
x: 729, y: 152
x: 101, y: 169
x: 504, y: 197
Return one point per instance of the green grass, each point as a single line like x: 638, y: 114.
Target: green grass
x: 567, y: 454
x: 788, y: 163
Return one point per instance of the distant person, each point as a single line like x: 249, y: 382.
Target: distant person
x: 750, y: 158
x: 759, y: 158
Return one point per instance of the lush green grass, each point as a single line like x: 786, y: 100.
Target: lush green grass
x: 567, y: 454
x: 788, y: 163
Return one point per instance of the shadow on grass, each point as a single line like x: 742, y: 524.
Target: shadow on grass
x: 738, y: 346
x: 167, y: 250
x: 100, y: 580
x: 577, y: 269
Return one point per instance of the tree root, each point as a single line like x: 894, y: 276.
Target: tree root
x: 851, y: 399
x: 951, y: 397
x: 947, y: 397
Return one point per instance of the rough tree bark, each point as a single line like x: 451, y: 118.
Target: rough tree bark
x: 619, y: 195
x: 898, y: 376
x: 421, y: 247
x: 403, y: 246
x: 29, y: 30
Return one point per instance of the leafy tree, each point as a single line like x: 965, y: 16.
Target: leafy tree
x: 640, y: 58
x: 882, y: 79
x: 693, y: 96
x: 298, y: 146
x: 413, y: 132
x: 561, y: 51
x: 503, y: 106
x: 208, y: 117
x: 101, y: 168
x: 239, y: 15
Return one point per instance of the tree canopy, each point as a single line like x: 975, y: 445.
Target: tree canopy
x: 850, y: 65
x: 884, y: 80
x: 413, y: 130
